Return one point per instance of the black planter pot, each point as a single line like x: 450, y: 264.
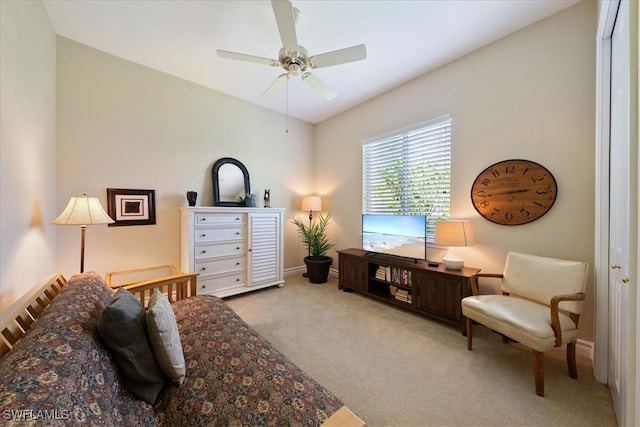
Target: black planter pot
x: 318, y: 269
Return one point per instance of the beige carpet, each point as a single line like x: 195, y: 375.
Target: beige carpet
x: 396, y: 368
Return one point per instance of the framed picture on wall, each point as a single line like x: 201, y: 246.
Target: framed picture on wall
x: 131, y: 207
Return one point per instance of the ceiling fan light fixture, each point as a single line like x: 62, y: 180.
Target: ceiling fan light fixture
x: 295, y: 59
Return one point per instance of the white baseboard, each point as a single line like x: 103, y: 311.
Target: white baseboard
x: 333, y: 272
x: 584, y: 349
x: 295, y: 270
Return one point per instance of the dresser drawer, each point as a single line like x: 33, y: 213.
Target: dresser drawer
x: 217, y: 266
x: 219, y: 234
x: 216, y: 284
x: 217, y: 218
x: 218, y: 250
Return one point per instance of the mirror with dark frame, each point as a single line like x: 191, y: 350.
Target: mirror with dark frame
x: 230, y: 180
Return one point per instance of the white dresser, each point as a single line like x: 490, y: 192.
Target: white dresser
x: 234, y: 250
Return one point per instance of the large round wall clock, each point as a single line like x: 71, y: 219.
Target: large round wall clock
x: 514, y: 192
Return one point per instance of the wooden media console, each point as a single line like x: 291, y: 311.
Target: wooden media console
x: 432, y: 291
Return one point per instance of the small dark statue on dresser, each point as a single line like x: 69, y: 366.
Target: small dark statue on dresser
x: 191, y: 197
x: 267, y: 198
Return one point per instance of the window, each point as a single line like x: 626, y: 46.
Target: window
x: 409, y: 172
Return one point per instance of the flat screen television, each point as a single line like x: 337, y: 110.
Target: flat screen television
x: 399, y: 235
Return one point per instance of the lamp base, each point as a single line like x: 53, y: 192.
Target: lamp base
x: 452, y: 261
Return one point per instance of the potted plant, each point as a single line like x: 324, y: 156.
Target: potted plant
x: 314, y: 236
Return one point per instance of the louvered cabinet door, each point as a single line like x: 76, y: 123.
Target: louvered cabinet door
x: 264, y: 254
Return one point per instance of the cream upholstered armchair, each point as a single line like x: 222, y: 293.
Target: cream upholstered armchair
x: 539, y: 307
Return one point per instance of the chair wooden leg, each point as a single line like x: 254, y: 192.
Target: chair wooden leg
x: 538, y: 371
x: 469, y: 333
x: 571, y: 360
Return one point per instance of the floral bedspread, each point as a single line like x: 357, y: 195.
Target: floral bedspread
x: 235, y: 377
x: 60, y: 374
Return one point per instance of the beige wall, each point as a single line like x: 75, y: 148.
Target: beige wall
x: 27, y: 148
x: 529, y: 95
x: 121, y: 125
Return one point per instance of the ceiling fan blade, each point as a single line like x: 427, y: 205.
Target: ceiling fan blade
x: 319, y: 85
x: 248, y: 58
x: 285, y: 19
x: 341, y: 56
x: 276, y: 85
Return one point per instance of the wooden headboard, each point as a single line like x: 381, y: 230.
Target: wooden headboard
x: 15, y: 322
x: 18, y: 319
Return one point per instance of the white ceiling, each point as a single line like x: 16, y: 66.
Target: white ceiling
x: 404, y: 39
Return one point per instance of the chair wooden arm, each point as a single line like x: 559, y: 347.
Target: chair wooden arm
x: 474, y: 280
x: 555, y: 318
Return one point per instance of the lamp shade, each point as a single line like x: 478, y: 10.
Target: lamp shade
x: 83, y: 210
x: 311, y: 203
x: 454, y: 233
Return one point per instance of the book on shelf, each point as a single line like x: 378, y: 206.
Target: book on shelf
x: 381, y: 273
x: 403, y: 295
x: 396, y: 275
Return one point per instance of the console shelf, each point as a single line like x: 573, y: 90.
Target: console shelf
x: 432, y: 291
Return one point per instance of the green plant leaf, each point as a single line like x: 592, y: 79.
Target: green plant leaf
x: 314, y: 235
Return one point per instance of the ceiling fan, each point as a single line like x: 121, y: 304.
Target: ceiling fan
x: 295, y: 58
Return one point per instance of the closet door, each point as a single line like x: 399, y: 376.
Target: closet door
x: 622, y: 220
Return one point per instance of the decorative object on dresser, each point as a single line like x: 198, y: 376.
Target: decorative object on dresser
x: 453, y: 233
x: 131, y: 207
x: 539, y: 307
x: 413, y: 285
x: 230, y: 180
x: 191, y: 197
x: 514, y: 192
x: 234, y: 250
x: 83, y: 211
x: 267, y: 198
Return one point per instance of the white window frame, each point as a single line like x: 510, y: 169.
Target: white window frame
x: 399, y: 155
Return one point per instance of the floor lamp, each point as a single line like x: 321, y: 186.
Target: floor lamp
x: 311, y: 203
x: 83, y: 211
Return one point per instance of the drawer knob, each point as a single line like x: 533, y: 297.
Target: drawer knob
x: 203, y: 235
x: 202, y: 287
x: 238, y: 248
x: 203, y: 268
x: 237, y: 280
x: 203, y: 219
x: 237, y: 233
x: 237, y: 218
x: 203, y: 252
x: 237, y: 263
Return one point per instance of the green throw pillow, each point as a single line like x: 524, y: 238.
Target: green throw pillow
x: 122, y: 328
x: 165, y: 338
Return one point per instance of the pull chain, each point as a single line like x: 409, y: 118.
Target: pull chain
x: 287, y: 108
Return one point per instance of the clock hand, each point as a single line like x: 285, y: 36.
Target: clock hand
x: 509, y: 192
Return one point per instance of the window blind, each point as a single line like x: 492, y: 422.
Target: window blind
x: 409, y: 172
